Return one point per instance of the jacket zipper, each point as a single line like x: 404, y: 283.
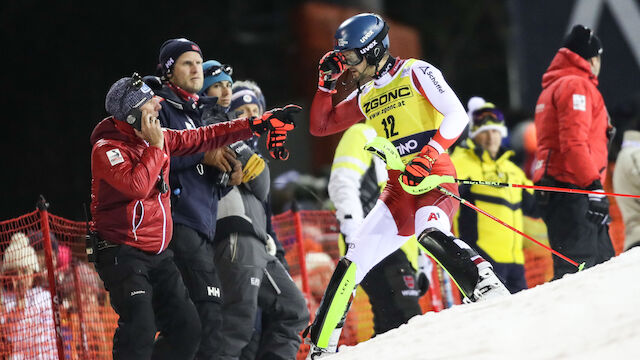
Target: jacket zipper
x: 164, y: 223
x: 133, y: 219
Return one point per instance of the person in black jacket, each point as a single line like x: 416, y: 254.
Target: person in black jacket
x: 254, y: 280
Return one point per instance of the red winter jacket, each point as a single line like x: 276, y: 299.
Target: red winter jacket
x: 571, y: 123
x: 126, y: 205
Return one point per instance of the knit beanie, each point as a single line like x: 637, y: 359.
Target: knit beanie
x: 251, y: 85
x: 242, y: 96
x: 126, y: 94
x: 485, y: 116
x: 171, y: 50
x: 19, y: 255
x: 207, y: 68
x: 583, y: 42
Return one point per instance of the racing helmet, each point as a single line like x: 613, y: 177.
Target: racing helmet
x: 367, y: 34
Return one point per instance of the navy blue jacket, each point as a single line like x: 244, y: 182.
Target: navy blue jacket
x: 194, y: 198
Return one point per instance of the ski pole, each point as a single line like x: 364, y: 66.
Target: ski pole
x: 465, y: 202
x: 386, y: 151
x: 541, y: 188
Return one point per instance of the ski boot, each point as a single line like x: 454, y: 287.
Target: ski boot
x: 472, y: 274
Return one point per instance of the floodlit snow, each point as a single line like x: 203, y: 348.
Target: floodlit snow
x: 594, y: 314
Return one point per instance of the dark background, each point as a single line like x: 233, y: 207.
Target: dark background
x: 60, y: 60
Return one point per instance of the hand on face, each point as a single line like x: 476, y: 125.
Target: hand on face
x: 150, y: 128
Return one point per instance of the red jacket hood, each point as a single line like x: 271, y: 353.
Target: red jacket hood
x: 565, y: 63
x: 112, y: 129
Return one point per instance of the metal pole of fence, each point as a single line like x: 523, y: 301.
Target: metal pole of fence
x: 43, y: 210
x: 297, y: 219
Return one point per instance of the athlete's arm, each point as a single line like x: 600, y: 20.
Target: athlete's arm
x: 429, y: 81
x: 325, y: 119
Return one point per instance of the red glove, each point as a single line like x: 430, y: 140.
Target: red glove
x: 275, y: 144
x: 330, y: 68
x: 420, y: 166
x: 275, y: 119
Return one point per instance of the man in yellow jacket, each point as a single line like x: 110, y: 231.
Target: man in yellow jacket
x: 482, y: 157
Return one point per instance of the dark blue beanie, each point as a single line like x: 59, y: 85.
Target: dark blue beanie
x: 242, y: 96
x: 171, y: 50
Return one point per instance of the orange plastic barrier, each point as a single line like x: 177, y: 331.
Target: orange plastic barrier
x: 54, y: 306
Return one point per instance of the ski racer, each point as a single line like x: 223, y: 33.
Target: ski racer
x: 409, y: 103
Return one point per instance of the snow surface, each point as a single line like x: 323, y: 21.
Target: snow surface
x: 594, y: 314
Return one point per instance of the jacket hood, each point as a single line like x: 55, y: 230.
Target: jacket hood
x: 111, y: 129
x: 567, y: 63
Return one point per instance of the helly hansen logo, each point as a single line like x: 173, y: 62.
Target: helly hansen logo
x: 213, y: 291
x: 390, y: 96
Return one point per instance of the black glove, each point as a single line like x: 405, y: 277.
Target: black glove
x: 330, y: 68
x: 598, y: 212
x: 275, y: 119
x: 423, y: 283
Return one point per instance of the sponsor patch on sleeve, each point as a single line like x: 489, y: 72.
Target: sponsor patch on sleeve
x: 115, y: 157
x: 579, y: 102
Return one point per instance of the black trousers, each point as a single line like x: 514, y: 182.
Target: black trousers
x: 393, y: 292
x: 194, y: 258
x: 571, y: 234
x: 148, y: 294
x: 252, y: 278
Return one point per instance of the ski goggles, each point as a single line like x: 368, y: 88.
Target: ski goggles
x: 218, y: 69
x: 351, y: 57
x: 486, y: 116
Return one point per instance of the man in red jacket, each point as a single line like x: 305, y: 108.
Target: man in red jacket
x: 131, y: 212
x: 573, y: 127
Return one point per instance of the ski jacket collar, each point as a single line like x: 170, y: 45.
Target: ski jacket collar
x: 567, y: 63
x: 183, y: 94
x: 112, y: 129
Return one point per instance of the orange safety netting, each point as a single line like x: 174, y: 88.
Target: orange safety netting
x: 38, y: 310
x: 73, y: 300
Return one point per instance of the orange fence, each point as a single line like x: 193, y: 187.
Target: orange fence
x: 53, y: 304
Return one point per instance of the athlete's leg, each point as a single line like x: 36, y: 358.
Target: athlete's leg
x: 375, y: 239
x: 472, y: 274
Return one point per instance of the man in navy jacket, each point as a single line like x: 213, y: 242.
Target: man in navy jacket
x: 195, y: 191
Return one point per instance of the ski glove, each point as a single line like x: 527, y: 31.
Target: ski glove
x: 275, y: 120
x: 254, y: 167
x: 275, y: 144
x: 598, y: 212
x: 270, y: 246
x: 330, y: 68
x: 420, y: 166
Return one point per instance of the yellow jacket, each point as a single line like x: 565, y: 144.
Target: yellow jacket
x: 500, y: 243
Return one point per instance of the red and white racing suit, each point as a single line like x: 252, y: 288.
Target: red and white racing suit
x: 412, y: 106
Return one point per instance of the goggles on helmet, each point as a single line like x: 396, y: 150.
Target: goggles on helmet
x: 217, y: 69
x: 352, y: 57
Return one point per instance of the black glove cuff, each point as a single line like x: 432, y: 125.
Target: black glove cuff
x: 595, y: 185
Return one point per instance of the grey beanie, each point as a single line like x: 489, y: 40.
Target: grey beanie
x: 126, y: 94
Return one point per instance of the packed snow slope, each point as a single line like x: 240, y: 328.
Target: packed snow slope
x: 594, y: 314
